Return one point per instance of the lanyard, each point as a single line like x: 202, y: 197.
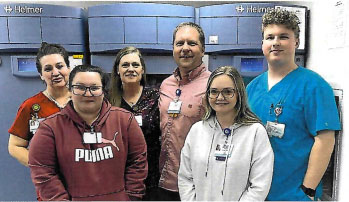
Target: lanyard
x: 279, y: 106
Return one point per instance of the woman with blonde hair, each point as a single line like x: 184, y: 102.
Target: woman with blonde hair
x: 226, y: 156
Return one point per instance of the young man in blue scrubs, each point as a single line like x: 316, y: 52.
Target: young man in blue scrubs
x: 298, y: 109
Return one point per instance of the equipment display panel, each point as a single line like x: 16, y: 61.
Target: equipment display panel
x: 24, y: 66
x: 251, y: 65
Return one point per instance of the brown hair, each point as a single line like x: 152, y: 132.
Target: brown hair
x: 49, y: 49
x: 197, y: 27
x: 281, y: 17
x: 115, y: 91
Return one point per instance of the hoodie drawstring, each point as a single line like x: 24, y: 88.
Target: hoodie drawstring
x: 209, y: 155
x: 226, y: 160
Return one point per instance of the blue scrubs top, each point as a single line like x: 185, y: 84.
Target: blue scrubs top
x: 308, y: 106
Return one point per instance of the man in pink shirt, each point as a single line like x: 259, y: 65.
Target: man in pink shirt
x: 181, y: 103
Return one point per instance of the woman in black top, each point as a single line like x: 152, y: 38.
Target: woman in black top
x: 128, y: 91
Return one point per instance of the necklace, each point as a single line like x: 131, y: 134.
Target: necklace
x: 50, y: 97
x: 138, y: 95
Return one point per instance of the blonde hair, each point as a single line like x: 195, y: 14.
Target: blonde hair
x: 244, y: 114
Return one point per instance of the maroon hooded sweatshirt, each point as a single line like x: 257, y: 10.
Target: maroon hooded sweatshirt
x: 63, y: 167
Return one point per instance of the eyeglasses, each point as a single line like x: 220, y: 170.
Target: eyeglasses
x: 81, y: 90
x: 213, y: 93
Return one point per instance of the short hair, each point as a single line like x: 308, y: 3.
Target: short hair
x: 281, y: 17
x: 244, y: 114
x: 87, y: 68
x: 196, y: 26
x: 49, y: 49
x: 116, y: 84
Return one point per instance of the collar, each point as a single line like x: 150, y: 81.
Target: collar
x: 214, y: 124
x: 49, y: 96
x: 190, y: 76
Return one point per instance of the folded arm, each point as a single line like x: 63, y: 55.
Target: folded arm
x: 18, y: 149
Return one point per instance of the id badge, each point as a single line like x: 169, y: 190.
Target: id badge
x: 92, y: 137
x: 139, y: 120
x: 175, y: 107
x: 275, y: 129
x: 34, y: 125
x: 222, y: 152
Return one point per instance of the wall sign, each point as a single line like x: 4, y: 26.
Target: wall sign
x: 253, y: 9
x: 19, y: 9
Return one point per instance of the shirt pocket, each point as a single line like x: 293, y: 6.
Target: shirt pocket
x: 293, y: 113
x: 192, y: 105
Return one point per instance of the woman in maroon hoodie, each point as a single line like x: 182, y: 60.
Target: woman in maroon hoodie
x: 90, y: 150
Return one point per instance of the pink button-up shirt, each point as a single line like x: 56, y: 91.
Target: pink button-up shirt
x: 174, y: 130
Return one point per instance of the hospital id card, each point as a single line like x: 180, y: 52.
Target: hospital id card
x: 222, y: 151
x: 175, y: 107
x: 139, y: 120
x: 275, y: 129
x: 92, y: 137
x: 34, y: 125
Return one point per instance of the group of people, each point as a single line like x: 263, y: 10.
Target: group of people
x: 201, y: 136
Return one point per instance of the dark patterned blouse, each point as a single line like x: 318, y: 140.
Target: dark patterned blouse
x: 147, y: 107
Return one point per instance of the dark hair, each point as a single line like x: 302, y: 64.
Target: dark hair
x: 86, y: 68
x: 116, y: 84
x: 197, y: 27
x: 244, y: 114
x: 281, y: 17
x: 49, y: 49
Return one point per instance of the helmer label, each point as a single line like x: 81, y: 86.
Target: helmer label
x: 18, y: 9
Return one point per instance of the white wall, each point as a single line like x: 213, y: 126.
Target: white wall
x: 328, y: 55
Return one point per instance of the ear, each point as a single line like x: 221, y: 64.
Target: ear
x: 262, y: 42
x: 202, y: 52
x: 42, y: 78
x: 297, y: 43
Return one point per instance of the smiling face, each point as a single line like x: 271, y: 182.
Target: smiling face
x: 187, y: 49
x: 54, y: 70
x: 279, y: 45
x: 87, y: 103
x: 221, y: 104
x: 130, y: 69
